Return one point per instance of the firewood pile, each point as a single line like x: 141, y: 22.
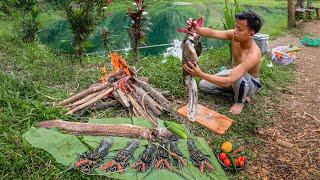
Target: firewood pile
x: 120, y: 86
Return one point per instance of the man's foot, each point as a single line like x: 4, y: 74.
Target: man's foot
x: 236, y: 108
x: 249, y: 100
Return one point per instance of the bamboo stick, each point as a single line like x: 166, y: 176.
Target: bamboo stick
x: 123, y: 98
x: 157, y: 96
x: 145, y: 100
x: 139, y: 109
x: 83, y: 93
x: 95, y: 99
x: 81, y: 101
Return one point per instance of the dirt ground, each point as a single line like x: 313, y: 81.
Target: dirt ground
x: 292, y: 149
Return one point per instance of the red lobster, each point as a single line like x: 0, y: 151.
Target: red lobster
x: 198, y: 158
x: 163, y: 157
x: 176, y: 155
x: 90, y: 160
x: 146, y: 159
x: 121, y: 160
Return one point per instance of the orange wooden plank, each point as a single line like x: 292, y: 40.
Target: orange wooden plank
x: 211, y: 119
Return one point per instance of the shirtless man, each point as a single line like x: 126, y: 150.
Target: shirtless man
x: 243, y: 78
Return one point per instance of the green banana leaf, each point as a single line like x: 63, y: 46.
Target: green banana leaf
x: 65, y: 149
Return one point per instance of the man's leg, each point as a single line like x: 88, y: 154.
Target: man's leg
x: 241, y: 89
x: 212, y: 88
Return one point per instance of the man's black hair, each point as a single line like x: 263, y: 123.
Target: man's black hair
x: 253, y: 19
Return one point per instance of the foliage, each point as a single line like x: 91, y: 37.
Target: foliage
x: 230, y: 10
x: 30, y: 24
x: 6, y: 6
x: 105, y: 35
x: 83, y: 16
x: 139, y: 26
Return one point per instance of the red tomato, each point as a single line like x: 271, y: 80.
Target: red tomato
x: 223, y: 156
x: 243, y: 158
x: 241, y: 163
x: 237, y: 162
x: 227, y: 162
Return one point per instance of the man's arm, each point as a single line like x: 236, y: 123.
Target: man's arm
x: 207, y: 32
x: 236, y: 73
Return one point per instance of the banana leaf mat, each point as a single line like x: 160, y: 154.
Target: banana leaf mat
x: 65, y: 149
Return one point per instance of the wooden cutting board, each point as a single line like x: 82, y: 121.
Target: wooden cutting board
x: 211, y: 119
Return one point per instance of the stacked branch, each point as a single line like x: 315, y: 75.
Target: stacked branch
x: 123, y: 87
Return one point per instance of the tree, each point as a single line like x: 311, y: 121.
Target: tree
x: 139, y: 26
x: 82, y: 17
x: 300, y: 3
x: 291, y: 14
x: 30, y: 23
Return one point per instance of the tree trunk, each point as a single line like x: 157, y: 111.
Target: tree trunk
x: 291, y: 14
x: 300, y: 3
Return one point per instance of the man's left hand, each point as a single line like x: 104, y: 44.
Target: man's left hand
x: 192, y: 69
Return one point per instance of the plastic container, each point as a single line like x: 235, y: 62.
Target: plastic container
x: 262, y: 41
x: 281, y: 56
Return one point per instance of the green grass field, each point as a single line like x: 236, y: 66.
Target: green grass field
x: 29, y: 73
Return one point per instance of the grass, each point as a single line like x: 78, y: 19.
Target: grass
x: 31, y: 72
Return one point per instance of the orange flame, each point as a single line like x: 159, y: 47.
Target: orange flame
x: 120, y: 64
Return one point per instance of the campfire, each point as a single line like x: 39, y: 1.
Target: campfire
x: 121, y: 86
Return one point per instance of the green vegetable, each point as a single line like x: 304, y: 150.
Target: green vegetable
x: 178, y: 132
x: 232, y: 161
x: 239, y: 154
x: 175, y: 125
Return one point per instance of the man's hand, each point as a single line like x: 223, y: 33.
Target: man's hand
x: 192, y: 25
x: 193, y: 69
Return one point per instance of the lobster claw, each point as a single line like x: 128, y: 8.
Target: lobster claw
x: 108, y: 165
x: 111, y: 164
x: 82, y: 162
x: 204, y: 164
x: 165, y: 162
x: 179, y: 159
x: 140, y: 166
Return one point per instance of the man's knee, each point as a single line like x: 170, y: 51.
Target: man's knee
x: 207, y: 86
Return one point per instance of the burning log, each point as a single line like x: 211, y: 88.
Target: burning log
x: 121, y: 86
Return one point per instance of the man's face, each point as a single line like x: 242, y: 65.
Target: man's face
x: 242, y: 31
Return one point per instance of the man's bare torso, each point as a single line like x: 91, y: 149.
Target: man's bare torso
x: 240, y: 55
